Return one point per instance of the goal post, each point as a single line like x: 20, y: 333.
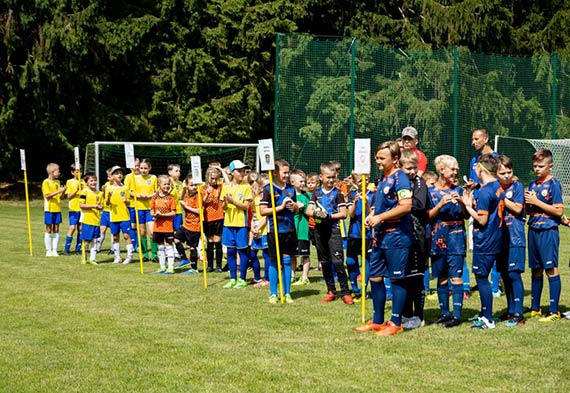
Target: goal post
x: 520, y: 150
x: 100, y: 156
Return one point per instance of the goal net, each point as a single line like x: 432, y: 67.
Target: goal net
x: 99, y: 156
x: 520, y: 150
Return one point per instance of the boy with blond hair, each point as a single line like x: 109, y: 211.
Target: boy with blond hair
x: 52, y: 191
x: 91, y: 205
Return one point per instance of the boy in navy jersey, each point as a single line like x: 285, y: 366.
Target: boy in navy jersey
x: 392, y: 240
x: 286, y: 207
x: 327, y: 207
x: 487, y: 232
x: 511, y: 261
x: 545, y: 207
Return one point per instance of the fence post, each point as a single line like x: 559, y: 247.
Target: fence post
x: 276, y: 100
x: 455, y: 100
x: 352, y: 100
x: 554, y: 60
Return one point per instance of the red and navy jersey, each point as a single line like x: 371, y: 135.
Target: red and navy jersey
x: 391, y: 189
x: 487, y: 239
x: 355, y: 227
x: 285, y: 217
x: 448, y: 228
x: 331, y: 201
x: 550, y: 192
x: 514, y: 224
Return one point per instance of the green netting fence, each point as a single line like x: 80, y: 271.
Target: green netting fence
x: 330, y: 90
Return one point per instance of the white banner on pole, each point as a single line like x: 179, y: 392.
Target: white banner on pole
x: 196, y: 166
x: 265, y: 154
x: 76, y: 156
x: 362, y: 156
x: 129, y: 155
x: 23, y: 159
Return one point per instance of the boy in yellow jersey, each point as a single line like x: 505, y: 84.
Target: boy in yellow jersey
x: 236, y: 198
x: 130, y: 184
x: 91, y: 205
x: 117, y: 198
x: 52, y: 191
x: 73, y: 188
x: 146, y: 188
x: 105, y: 221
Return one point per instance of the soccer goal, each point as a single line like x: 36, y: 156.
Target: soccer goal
x: 99, y: 156
x: 520, y: 150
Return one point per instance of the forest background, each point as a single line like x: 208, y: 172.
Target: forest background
x: 72, y: 72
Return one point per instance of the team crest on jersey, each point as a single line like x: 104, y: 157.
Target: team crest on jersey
x: 544, y: 193
x: 509, y: 194
x: 122, y: 193
x: 149, y: 182
x: 386, y: 190
x: 240, y: 197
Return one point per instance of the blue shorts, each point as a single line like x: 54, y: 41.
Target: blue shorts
x: 235, y: 237
x: 388, y: 262
x: 543, y: 248
x: 483, y: 263
x: 120, y: 226
x: 105, y: 219
x: 52, y: 218
x: 144, y: 217
x: 444, y: 266
x: 259, y: 243
x: 511, y: 259
x: 177, y: 222
x: 74, y: 217
x: 90, y: 232
x: 132, y: 213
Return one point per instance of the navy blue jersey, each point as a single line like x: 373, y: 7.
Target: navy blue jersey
x: 391, y: 189
x: 448, y: 228
x: 285, y: 217
x: 473, y: 173
x: 355, y: 227
x: 514, y: 224
x: 487, y: 239
x: 550, y: 192
x: 330, y: 201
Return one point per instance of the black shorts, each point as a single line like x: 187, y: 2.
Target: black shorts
x: 416, y: 261
x: 163, y: 237
x: 287, y: 244
x: 329, y: 244
x: 213, y: 228
x: 303, y: 248
x: 354, y: 247
x: 188, y: 237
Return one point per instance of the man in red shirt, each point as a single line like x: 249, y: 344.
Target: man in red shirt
x: 410, y: 140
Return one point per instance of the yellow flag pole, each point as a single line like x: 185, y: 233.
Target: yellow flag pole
x: 137, y: 221
x: 28, y: 212
x: 276, y: 231
x: 363, y: 257
x: 203, y: 238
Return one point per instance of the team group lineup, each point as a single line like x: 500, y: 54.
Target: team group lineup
x: 412, y: 218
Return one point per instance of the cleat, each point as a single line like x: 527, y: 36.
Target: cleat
x: 329, y: 297
x: 289, y: 299
x: 218, y: 270
x: 566, y: 315
x: 66, y: 253
x: 443, y: 318
x: 301, y: 281
x: 497, y: 294
x: 412, y: 323
x: 261, y: 283
x: 183, y: 263
x: 273, y: 299
x: 347, y: 299
x: 241, y: 284
x: 515, y: 320
x: 127, y: 260
x: 117, y: 260
x: 533, y: 314
x: 391, y: 329
x: 370, y: 327
x: 209, y: 269
x: 356, y: 297
x: 54, y: 253
x: 230, y: 284
x: 483, y: 323
x: 551, y: 317
x: 453, y: 322
x: 162, y: 271
x: 169, y: 271
x: 190, y: 271
x: 92, y: 263
x: 48, y: 253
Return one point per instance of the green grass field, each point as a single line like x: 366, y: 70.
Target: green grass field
x: 71, y: 327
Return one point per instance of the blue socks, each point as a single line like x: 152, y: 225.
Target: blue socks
x: 232, y: 262
x: 286, y: 274
x: 495, y: 278
x: 426, y: 280
x: 465, y: 277
x: 535, y: 292
x: 457, y: 296
x: 266, y: 263
x: 517, y: 292
x: 555, y: 288
x: 378, y: 293
x: 443, y: 297
x: 486, y: 297
x: 68, y: 240
x: 255, y: 264
x: 273, y: 278
x: 243, y: 261
x: 399, y: 294
x: 353, y: 272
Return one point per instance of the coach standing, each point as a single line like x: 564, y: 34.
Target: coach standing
x: 409, y: 141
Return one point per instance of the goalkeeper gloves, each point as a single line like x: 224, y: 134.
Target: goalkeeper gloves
x: 321, y: 214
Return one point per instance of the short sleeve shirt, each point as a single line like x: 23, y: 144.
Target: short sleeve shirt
x: 550, y: 192
x: 236, y: 217
x: 164, y: 204
x: 176, y: 192
x: 448, y: 228
x: 355, y: 226
x: 91, y: 216
x: 74, y: 186
x: 146, y: 186
x: 490, y: 201
x: 514, y: 224
x: 285, y: 218
x: 301, y: 220
x: 53, y: 204
x: 213, y: 210
x: 331, y: 201
x: 119, y: 209
x: 191, y: 220
x: 422, y: 159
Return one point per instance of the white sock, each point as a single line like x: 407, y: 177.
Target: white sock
x: 47, y: 241
x: 161, y: 257
x: 99, y: 241
x: 129, y: 250
x: 54, y: 242
x: 117, y: 250
x: 170, y: 256
x: 93, y: 253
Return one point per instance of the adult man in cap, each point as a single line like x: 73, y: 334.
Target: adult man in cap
x: 410, y: 140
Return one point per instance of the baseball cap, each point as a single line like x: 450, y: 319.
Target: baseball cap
x: 117, y: 168
x: 237, y: 164
x: 410, y: 132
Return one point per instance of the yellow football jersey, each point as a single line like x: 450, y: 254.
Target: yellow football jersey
x: 234, y: 216
x: 53, y: 204
x: 91, y: 216
x: 74, y: 186
x: 119, y: 209
x: 145, y: 186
